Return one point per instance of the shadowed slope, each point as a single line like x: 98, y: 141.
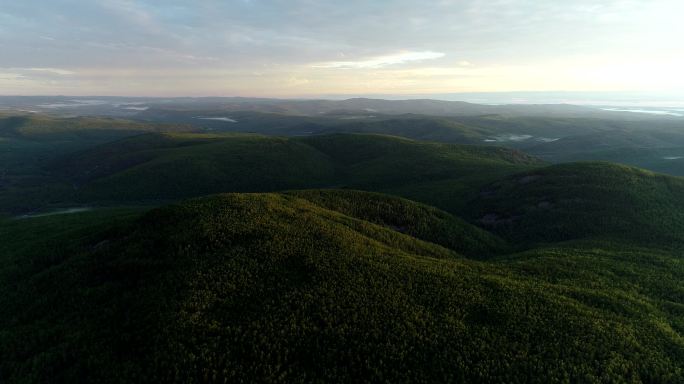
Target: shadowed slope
x: 577, y: 200
x: 169, y: 166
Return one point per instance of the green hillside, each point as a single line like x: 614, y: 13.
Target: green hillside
x: 425, y: 128
x: 170, y: 166
x: 408, y: 217
x: 29, y: 144
x: 386, y: 161
x: 284, y: 287
x: 579, y: 200
x: 653, y: 149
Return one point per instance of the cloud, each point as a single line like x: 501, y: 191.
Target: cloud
x: 236, y: 47
x: 53, y: 71
x: 38, y: 72
x: 383, y: 61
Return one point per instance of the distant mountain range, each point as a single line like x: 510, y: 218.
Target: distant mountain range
x: 141, y: 107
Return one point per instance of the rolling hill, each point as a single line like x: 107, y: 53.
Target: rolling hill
x: 652, y: 148
x: 172, y: 166
x: 648, y: 142
x: 579, y: 200
x: 30, y: 143
x: 282, y: 287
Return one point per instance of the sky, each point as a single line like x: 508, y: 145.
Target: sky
x: 301, y: 48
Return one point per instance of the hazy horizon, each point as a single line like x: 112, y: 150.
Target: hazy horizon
x: 304, y: 49
x: 602, y: 99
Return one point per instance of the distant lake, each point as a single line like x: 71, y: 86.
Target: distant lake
x: 648, y: 111
x: 226, y: 119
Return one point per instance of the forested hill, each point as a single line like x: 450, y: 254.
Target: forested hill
x: 283, y: 287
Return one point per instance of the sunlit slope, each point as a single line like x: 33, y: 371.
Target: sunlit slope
x: 418, y: 220
x: 270, y: 287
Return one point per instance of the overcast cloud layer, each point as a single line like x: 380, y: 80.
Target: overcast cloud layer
x: 314, y: 47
